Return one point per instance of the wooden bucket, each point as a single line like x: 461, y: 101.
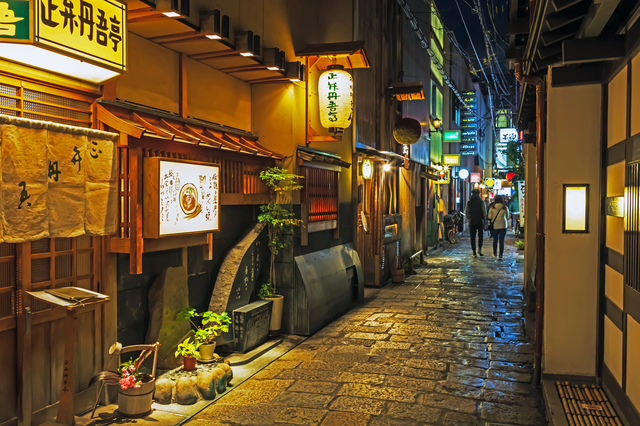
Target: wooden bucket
x: 136, y: 402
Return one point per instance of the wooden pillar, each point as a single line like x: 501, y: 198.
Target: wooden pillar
x: 135, y: 197
x: 66, y: 413
x: 23, y: 317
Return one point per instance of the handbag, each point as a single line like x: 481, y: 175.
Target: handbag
x: 490, y: 227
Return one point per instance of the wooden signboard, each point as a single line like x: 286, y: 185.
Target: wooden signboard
x: 180, y: 197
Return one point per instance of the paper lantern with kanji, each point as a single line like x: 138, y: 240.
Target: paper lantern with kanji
x: 335, y: 92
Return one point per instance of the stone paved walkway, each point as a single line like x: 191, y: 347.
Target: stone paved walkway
x: 448, y: 347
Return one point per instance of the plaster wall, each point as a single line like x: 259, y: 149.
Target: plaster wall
x: 574, y: 115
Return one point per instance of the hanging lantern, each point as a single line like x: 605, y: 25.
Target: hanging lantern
x: 335, y: 89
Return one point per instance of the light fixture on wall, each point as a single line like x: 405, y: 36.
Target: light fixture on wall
x: 463, y: 174
x: 436, y: 123
x: 173, y: 8
x: 295, y: 71
x: 274, y: 59
x: 213, y: 25
x: 386, y: 167
x: 575, y: 209
x: 367, y: 168
x: 247, y: 43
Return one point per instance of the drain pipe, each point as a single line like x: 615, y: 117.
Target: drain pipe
x: 540, y: 233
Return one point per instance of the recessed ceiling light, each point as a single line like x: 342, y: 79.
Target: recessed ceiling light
x: 171, y: 14
x: 294, y: 79
x: 246, y: 54
x: 273, y: 68
x: 214, y: 36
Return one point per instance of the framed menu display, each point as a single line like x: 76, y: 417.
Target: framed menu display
x: 180, y: 197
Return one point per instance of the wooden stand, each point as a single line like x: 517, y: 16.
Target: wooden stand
x: 66, y: 412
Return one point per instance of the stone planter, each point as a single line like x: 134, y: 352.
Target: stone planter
x: 206, y: 351
x: 276, y: 314
x: 134, y: 402
x: 397, y: 276
x: 189, y: 363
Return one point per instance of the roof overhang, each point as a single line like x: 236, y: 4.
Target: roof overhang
x: 349, y: 54
x: 409, y: 91
x: 314, y: 155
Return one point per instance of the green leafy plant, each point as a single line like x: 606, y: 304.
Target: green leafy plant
x: 515, y: 159
x: 218, y: 324
x: 278, y: 217
x: 188, y: 349
x: 267, y: 290
x: 520, y: 245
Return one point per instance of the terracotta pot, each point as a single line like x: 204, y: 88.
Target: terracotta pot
x: 276, y: 313
x: 206, y: 351
x: 397, y: 275
x: 136, y: 402
x: 189, y: 363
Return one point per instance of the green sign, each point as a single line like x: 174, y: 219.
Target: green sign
x: 452, y: 136
x: 14, y: 19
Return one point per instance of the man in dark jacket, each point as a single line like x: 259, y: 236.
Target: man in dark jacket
x: 476, y: 214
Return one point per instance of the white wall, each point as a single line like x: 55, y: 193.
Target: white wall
x: 573, y: 157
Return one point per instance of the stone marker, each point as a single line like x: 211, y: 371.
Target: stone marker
x: 168, y: 295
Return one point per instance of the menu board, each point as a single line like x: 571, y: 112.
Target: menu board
x: 180, y: 198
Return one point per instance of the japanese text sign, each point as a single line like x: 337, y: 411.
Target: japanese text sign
x: 335, y: 93
x: 452, y: 159
x: 476, y: 177
x: 93, y: 30
x: 180, y: 198
x: 15, y: 22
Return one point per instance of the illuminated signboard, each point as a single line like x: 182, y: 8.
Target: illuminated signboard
x: 335, y: 95
x: 15, y: 20
x: 469, y: 133
x: 468, y: 153
x: 489, y: 182
x: 468, y: 147
x: 452, y: 159
x: 91, y: 36
x: 180, y: 197
x: 508, y: 135
x: 367, y: 168
x: 452, y: 136
x: 475, y: 177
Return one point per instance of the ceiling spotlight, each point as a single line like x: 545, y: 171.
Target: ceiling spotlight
x: 214, y: 37
x: 171, y: 14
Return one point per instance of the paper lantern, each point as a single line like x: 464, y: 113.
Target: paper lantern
x: 335, y: 89
x: 367, y: 168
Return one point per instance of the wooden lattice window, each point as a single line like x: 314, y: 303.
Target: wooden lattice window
x: 321, y: 187
x: 7, y: 280
x: 29, y: 100
x: 61, y: 262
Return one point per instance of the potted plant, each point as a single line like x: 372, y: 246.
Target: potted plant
x: 211, y: 326
x: 188, y: 350
x: 279, y: 219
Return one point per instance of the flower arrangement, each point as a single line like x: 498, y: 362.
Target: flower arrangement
x: 129, y: 373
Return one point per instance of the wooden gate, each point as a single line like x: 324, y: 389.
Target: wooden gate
x: 32, y: 332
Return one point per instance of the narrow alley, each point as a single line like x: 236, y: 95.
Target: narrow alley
x: 447, y: 347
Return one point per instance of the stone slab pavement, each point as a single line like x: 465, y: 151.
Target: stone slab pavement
x: 447, y: 347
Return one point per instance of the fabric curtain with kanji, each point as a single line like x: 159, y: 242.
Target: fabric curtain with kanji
x: 56, y: 181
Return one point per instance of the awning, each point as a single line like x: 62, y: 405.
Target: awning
x: 383, y: 155
x: 140, y: 122
x: 349, y: 54
x: 310, y: 154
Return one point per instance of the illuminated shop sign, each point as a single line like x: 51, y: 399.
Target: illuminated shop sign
x: 508, y: 135
x: 335, y: 94
x: 452, y: 159
x: 180, y: 197
x: 79, y: 38
x: 452, y: 136
x: 476, y: 177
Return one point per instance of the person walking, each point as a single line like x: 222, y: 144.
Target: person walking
x: 514, y: 207
x: 476, y: 214
x: 498, y: 215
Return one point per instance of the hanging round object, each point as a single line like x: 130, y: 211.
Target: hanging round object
x: 335, y: 93
x: 407, y: 131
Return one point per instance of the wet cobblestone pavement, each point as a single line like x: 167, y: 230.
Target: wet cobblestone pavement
x: 447, y: 347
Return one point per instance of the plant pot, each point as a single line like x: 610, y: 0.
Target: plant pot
x: 189, y: 363
x: 206, y: 351
x: 397, y: 275
x: 136, y: 402
x: 276, y: 313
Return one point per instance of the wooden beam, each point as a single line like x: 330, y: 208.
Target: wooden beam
x: 574, y: 76
x: 183, y: 85
x: 135, y: 223
x: 215, y: 54
x: 227, y: 144
x: 208, y: 248
x: 231, y: 199
x: 559, y: 5
x: 178, y: 132
x: 325, y: 138
x: 209, y: 141
x: 577, y: 51
x: 113, y: 121
x: 147, y: 125
x: 177, y: 36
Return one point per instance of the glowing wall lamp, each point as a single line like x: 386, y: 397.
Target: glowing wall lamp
x: 386, y: 167
x: 173, y: 8
x: 575, y: 209
x: 367, y: 168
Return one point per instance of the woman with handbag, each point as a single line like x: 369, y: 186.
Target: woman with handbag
x: 498, y: 215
